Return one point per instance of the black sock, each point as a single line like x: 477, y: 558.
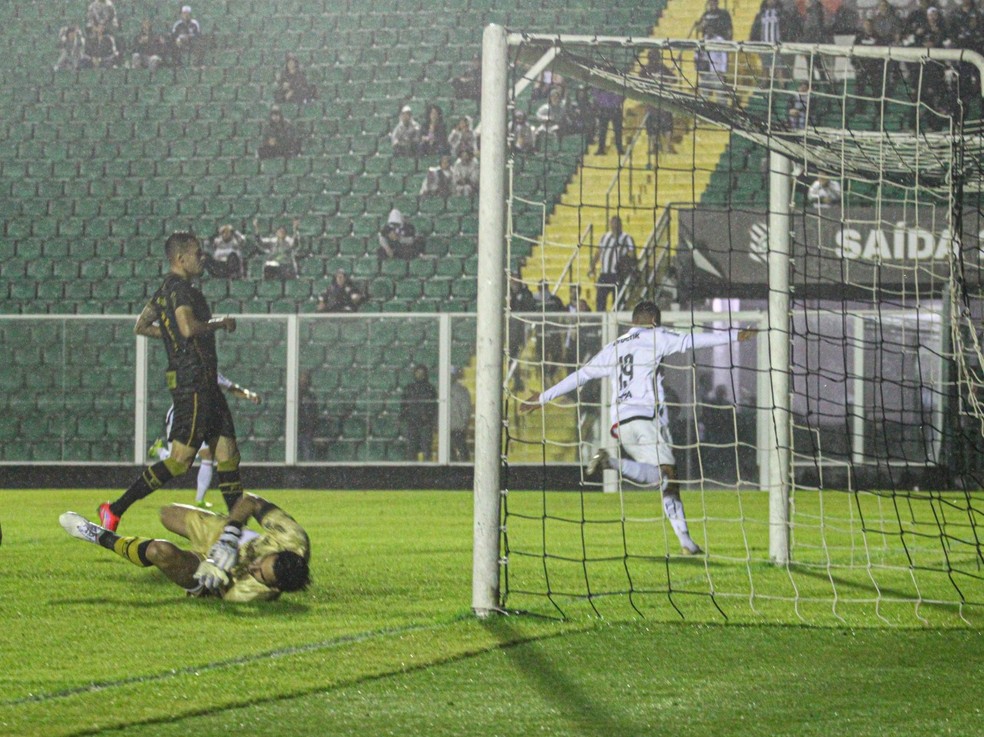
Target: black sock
x: 231, y: 487
x: 153, y: 478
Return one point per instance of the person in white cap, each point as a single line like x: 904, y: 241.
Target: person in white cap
x: 186, y: 34
x: 406, y: 136
x: 398, y: 238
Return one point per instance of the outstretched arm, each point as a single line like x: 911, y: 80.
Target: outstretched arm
x: 596, y: 368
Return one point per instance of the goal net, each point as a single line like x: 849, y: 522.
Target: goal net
x: 828, y: 197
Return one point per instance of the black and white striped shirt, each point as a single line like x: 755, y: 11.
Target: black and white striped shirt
x: 613, y: 250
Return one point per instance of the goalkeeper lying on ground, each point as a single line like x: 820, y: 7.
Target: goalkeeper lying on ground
x: 224, y: 559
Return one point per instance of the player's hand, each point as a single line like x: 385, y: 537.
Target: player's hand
x: 529, y: 404
x: 252, y: 396
x: 211, y: 576
x: 229, y: 323
x: 225, y: 552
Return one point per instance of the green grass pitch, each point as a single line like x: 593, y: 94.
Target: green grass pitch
x: 384, y: 644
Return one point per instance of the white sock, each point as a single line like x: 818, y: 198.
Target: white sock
x: 164, y: 453
x: 204, y: 479
x: 673, y: 506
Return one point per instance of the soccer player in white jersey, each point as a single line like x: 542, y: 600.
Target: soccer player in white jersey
x: 638, y: 412
x: 161, y: 449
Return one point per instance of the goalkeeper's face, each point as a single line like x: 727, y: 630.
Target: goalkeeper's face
x: 262, y: 570
x: 285, y: 571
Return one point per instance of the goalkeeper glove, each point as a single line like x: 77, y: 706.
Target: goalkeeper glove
x: 211, y: 576
x: 225, y: 552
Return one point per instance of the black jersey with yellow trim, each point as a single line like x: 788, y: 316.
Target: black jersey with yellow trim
x: 192, y: 364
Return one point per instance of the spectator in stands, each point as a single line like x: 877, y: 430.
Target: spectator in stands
x: 438, y: 181
x: 71, y: 42
x: 434, y: 138
x: 616, y: 253
x: 887, y: 24
x: 712, y: 71
x: 936, y: 34
x: 464, y: 174
x: 462, y: 137
x: 459, y: 415
x: 967, y: 26
x: 521, y: 133
x: 546, y: 301
x: 341, y: 295
x: 551, y: 335
x: 186, y: 35
x: 292, y: 83
x: 398, y: 238
x: 967, y: 32
x: 101, y: 48
x: 405, y: 137
x: 149, y: 48
x: 824, y: 192
x: 846, y: 21
x: 795, y: 116
x: 551, y: 118
x: 800, y: 109
x: 520, y: 300
x: 582, y: 118
x: 547, y: 80
x: 101, y: 13
x: 608, y: 106
x: 714, y: 22
x: 468, y: 84
x: 308, y: 417
x: 771, y: 25
x: 227, y: 253
x: 915, y: 23
x: 279, y: 137
x: 280, y: 251
x: 418, y: 411
x: 815, y: 29
x: 659, y: 129
x: 868, y: 72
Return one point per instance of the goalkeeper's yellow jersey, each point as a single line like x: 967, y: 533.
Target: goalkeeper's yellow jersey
x: 280, y: 533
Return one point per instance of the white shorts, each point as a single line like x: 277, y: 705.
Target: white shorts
x: 647, y: 441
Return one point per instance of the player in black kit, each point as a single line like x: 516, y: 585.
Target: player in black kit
x: 179, y: 315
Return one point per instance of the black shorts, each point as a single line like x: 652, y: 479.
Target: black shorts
x: 201, y: 417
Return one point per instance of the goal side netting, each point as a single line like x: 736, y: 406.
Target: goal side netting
x: 828, y: 197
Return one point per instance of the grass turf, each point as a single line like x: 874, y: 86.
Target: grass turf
x: 384, y: 644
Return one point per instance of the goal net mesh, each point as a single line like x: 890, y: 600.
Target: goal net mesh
x: 883, y: 327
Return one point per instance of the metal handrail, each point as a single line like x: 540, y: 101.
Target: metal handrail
x: 653, y: 262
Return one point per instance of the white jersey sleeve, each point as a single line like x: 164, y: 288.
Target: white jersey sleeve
x: 597, y: 368
x: 224, y: 383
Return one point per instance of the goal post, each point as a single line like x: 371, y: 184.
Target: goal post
x: 841, y: 450
x: 489, y: 338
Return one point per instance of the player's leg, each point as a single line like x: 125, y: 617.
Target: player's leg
x: 206, y: 470
x: 177, y: 564
x: 652, y: 463
x: 153, y: 477
x: 222, y: 441
x: 227, y: 468
x: 186, y: 437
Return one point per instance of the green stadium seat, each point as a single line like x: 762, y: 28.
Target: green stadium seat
x: 409, y: 289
